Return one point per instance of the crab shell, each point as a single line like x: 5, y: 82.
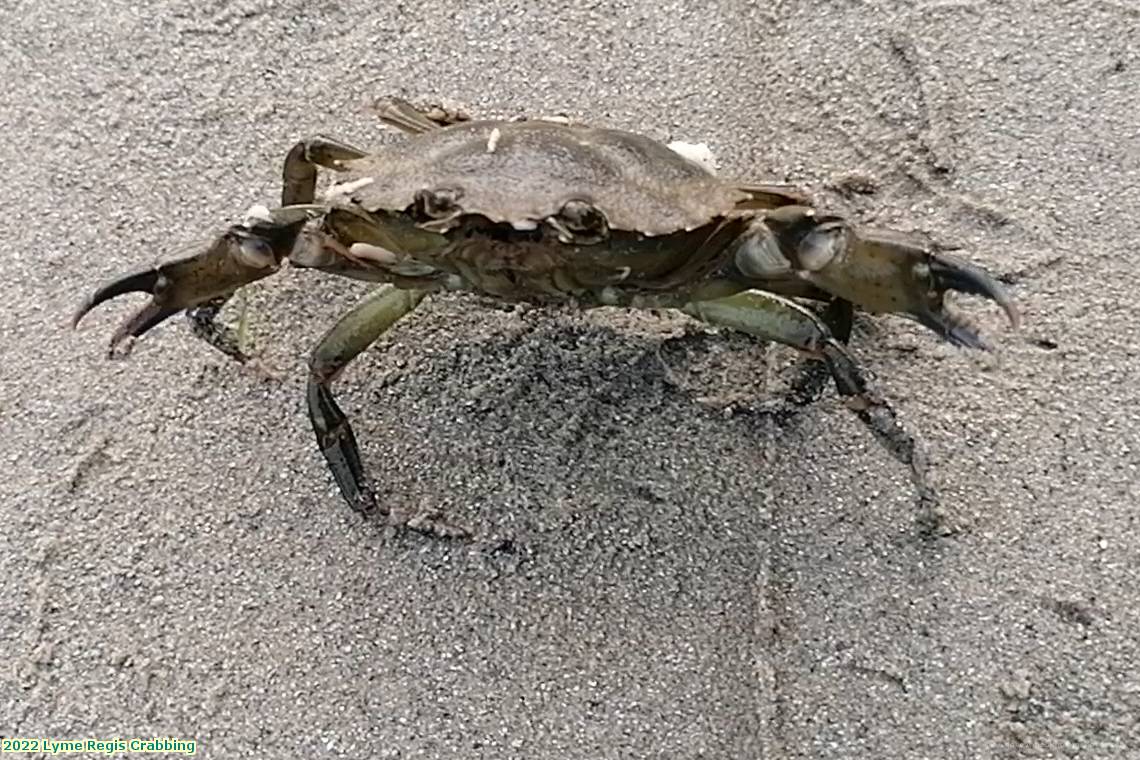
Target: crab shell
x: 534, y: 210
x: 523, y: 173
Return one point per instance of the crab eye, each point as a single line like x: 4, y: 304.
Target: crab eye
x: 759, y: 256
x: 821, y: 246
x: 256, y: 252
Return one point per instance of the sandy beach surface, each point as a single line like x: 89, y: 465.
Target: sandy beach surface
x: 659, y: 567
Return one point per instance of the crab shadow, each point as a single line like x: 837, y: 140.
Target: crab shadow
x: 497, y: 417
x: 628, y: 552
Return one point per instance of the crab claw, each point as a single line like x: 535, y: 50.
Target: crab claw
x: 879, y: 271
x: 944, y: 273
x: 242, y: 254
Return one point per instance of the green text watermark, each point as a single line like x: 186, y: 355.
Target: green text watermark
x: 106, y: 746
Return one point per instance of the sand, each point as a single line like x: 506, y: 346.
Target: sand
x: 659, y: 567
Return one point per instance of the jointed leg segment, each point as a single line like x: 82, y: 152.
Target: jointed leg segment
x: 205, y: 325
x: 299, y: 175
x: 782, y: 320
x: 357, y: 330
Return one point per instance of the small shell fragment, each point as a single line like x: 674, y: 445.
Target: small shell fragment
x: 493, y: 140
x: 257, y: 213
x: 344, y: 189
x: 698, y: 153
x: 372, y: 253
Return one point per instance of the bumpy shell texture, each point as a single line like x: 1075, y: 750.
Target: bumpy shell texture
x: 522, y: 172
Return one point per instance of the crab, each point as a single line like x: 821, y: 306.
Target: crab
x: 551, y: 211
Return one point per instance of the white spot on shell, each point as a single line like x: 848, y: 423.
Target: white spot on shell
x: 257, y: 213
x: 493, y: 140
x: 698, y: 153
x: 348, y: 188
x: 525, y: 225
x: 555, y: 119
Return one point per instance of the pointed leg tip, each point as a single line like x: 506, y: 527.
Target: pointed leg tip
x: 363, y: 500
x: 970, y: 339
x: 1013, y: 315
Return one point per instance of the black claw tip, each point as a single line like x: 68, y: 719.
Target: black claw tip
x: 950, y: 273
x: 143, y: 320
x: 955, y: 329
x: 139, y: 282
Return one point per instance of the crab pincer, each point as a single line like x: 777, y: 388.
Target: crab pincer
x: 242, y: 254
x: 881, y: 271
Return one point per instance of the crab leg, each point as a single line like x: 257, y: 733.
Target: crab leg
x: 299, y: 175
x: 200, y: 282
x: 782, y: 320
x: 205, y: 325
x: 299, y: 180
x: 355, y: 332
x: 399, y: 113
